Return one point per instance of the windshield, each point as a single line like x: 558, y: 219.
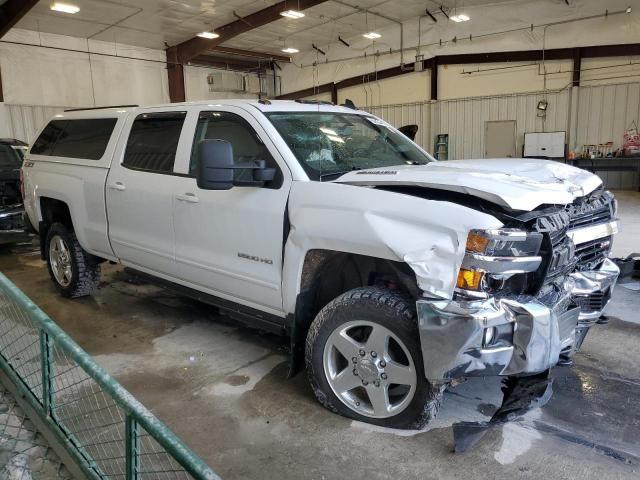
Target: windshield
x: 329, y: 144
x: 9, y: 158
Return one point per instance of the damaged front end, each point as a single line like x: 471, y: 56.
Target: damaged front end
x: 526, y: 296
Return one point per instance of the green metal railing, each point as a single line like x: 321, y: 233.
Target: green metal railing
x: 102, y: 426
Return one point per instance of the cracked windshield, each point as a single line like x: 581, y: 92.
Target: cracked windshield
x: 329, y: 144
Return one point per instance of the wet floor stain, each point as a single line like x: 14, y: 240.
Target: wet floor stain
x: 235, y: 380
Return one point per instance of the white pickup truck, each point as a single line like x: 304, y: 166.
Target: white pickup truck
x: 393, y: 274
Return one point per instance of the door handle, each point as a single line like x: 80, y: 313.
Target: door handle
x: 117, y: 186
x: 188, y: 197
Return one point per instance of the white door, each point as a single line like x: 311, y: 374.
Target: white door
x: 139, y: 192
x: 500, y: 139
x: 230, y: 242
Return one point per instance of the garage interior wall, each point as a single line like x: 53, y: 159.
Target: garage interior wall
x: 44, y: 73
x: 591, y: 114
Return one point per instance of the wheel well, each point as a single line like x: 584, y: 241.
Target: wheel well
x: 326, y: 274
x: 55, y: 211
x: 52, y: 211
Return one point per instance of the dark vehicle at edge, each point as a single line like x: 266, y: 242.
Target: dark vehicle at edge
x: 12, y: 224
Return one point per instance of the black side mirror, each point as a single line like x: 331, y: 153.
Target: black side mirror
x: 216, y: 168
x: 409, y: 131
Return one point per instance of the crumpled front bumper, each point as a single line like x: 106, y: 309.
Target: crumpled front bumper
x: 526, y: 336
x: 592, y: 290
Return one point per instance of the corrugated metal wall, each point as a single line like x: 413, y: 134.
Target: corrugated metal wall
x: 408, y: 114
x: 605, y: 112
x: 24, y: 121
x: 464, y: 119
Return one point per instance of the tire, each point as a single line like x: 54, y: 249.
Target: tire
x: 82, y: 276
x: 358, y: 314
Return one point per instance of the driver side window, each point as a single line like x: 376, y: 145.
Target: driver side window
x: 247, y: 146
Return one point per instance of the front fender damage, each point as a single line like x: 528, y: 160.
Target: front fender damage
x: 428, y: 235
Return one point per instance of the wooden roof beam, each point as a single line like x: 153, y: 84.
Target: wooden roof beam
x: 190, y: 49
x: 252, y: 54
x: 12, y: 11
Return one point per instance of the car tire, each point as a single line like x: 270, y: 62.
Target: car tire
x: 74, y: 271
x: 363, y: 387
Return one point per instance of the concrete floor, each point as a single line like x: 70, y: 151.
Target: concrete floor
x: 222, y: 388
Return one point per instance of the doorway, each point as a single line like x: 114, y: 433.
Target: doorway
x: 500, y: 139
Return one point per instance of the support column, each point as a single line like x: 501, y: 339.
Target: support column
x: 175, y: 71
x: 577, y: 66
x: 434, y: 78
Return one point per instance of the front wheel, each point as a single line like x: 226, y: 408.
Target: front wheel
x: 364, y: 360
x: 70, y: 267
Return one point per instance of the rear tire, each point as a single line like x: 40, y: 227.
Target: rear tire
x: 74, y: 271
x: 385, y: 384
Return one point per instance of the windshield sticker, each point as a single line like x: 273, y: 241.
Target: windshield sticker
x: 377, y: 172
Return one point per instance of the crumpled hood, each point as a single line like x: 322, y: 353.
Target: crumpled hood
x: 520, y: 184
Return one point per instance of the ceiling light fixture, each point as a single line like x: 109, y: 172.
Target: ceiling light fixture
x: 372, y: 35
x: 295, y: 14
x: 208, y: 35
x: 290, y: 50
x: 64, y: 8
x: 460, y: 18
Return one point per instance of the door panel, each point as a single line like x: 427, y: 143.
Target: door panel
x: 230, y: 241
x: 500, y: 139
x: 140, y: 194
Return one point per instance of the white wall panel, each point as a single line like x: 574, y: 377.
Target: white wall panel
x: 605, y: 112
x: 464, y: 119
x: 24, y: 121
x: 408, y: 114
x: 63, y: 72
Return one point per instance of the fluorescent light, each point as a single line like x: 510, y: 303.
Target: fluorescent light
x: 64, y: 8
x: 372, y: 35
x: 292, y: 14
x: 290, y: 50
x: 460, y: 18
x: 208, y: 35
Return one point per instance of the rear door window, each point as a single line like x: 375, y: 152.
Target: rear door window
x: 85, y: 138
x: 153, y: 142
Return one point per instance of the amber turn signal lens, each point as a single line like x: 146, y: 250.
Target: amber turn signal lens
x: 477, y: 243
x: 469, y: 279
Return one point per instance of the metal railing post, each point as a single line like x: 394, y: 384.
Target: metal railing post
x: 132, y: 448
x: 46, y: 360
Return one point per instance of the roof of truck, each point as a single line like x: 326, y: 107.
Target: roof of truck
x: 262, y: 105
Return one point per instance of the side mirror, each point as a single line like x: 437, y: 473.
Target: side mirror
x: 216, y: 170
x: 409, y: 131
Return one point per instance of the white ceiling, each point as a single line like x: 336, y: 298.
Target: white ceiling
x: 154, y: 23
x: 157, y: 23
x: 144, y: 23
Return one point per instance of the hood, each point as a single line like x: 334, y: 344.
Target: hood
x: 519, y: 184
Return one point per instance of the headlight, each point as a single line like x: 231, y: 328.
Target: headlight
x: 492, y: 254
x: 507, y: 242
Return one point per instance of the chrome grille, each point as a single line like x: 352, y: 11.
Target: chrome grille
x: 594, y: 302
x: 591, y: 210
x: 594, y: 209
x: 591, y: 254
